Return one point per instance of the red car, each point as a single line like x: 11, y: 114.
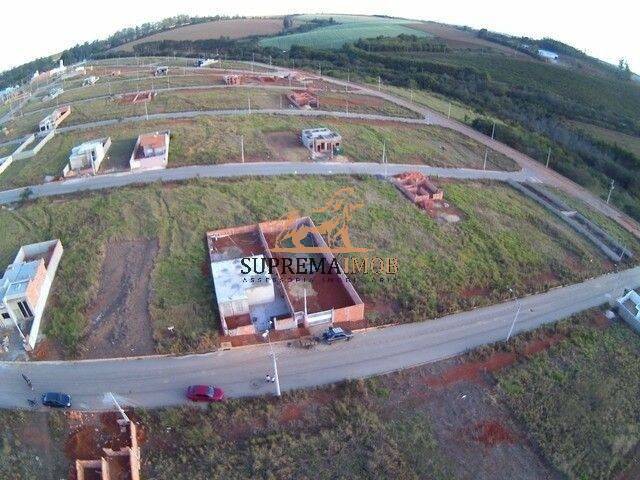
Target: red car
x: 205, y: 393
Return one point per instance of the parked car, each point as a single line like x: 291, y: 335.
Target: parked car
x: 56, y: 400
x: 205, y: 393
x: 333, y: 334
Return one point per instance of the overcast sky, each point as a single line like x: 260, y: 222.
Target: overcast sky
x: 43, y: 28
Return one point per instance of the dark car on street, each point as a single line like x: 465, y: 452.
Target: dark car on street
x: 205, y: 393
x: 56, y: 400
x: 334, y: 334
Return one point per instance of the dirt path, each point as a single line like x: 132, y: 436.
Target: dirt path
x: 119, y: 323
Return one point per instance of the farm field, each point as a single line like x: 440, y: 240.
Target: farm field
x: 459, y: 38
x: 208, y: 99
x: 628, y: 142
x: 502, y: 241
x: 349, y: 29
x: 233, y: 28
x: 211, y: 140
x: 577, y: 401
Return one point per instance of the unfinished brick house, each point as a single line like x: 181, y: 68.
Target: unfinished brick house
x: 151, y: 151
x: 417, y: 188
x: 121, y: 460
x: 232, y: 79
x: 24, y: 288
x: 55, y: 118
x: 252, y: 297
x: 302, y: 99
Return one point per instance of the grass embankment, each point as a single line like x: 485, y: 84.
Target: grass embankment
x: 341, y: 432
x: 578, y: 401
x: 209, y: 140
x: 503, y: 241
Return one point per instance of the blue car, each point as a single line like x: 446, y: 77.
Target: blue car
x: 56, y: 400
x: 335, y: 334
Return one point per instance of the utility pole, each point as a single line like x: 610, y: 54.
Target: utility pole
x: 449, y: 113
x: 493, y: 130
x: 513, y: 324
x: 411, y: 94
x: 548, y: 157
x: 253, y: 60
x: 270, y: 60
x: 249, y: 99
x: 486, y: 153
x: 146, y: 110
x: 115, y: 402
x: 275, y: 364
x: 242, y: 147
x: 610, y: 190
x: 379, y: 82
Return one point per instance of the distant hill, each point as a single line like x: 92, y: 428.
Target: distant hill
x: 233, y: 28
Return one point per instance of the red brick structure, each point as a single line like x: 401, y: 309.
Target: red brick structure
x: 303, y: 299
x: 418, y: 188
x: 302, y: 99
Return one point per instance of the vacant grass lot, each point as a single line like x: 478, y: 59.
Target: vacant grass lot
x: 32, y: 445
x: 579, y: 401
x: 210, y: 140
x: 341, y: 432
x: 203, y: 100
x: 504, y: 241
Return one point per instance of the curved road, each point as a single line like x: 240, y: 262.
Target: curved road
x: 226, y: 170
x: 159, y: 381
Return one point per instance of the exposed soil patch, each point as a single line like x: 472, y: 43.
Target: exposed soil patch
x: 475, y: 292
x: 286, y: 147
x: 119, y: 323
x: 472, y: 371
x: 491, y: 433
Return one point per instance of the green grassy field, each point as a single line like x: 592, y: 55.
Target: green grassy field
x: 578, y: 401
x: 342, y: 432
x: 32, y: 445
x: 203, y: 100
x: 209, y: 140
x: 349, y: 29
x: 503, y: 241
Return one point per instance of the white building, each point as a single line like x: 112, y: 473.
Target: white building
x: 87, y: 156
x: 321, y: 141
x: 205, y: 62
x: 151, y: 151
x: 628, y: 307
x: 25, y: 285
x: 547, y: 54
x: 90, y: 80
x: 238, y: 292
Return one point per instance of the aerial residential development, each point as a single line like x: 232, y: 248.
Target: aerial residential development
x: 301, y: 246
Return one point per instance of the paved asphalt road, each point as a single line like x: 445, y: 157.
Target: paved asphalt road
x: 247, y: 169
x: 157, y: 381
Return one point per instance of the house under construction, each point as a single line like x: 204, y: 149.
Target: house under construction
x: 418, y: 188
x: 321, y: 142
x: 257, y: 289
x: 302, y: 99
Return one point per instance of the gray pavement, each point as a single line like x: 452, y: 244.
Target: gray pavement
x: 228, y: 170
x: 159, y: 381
